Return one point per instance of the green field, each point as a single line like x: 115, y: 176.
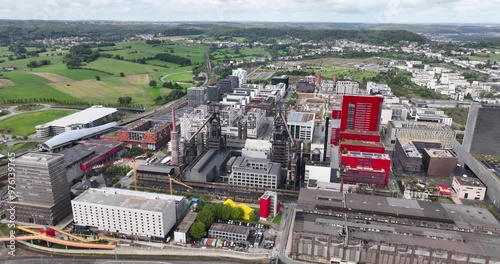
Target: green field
x: 244, y: 53
x: 485, y: 57
x: 20, y: 147
x: 24, y: 124
x: 57, y: 82
x: 343, y: 73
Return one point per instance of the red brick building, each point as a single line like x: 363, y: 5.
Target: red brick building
x: 146, y: 134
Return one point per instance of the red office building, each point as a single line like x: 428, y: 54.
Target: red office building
x: 362, y: 146
x: 269, y: 205
x: 336, y: 113
x: 363, y: 167
x: 361, y: 112
x: 360, y: 135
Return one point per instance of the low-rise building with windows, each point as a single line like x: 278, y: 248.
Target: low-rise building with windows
x: 229, y: 232
x: 255, y: 173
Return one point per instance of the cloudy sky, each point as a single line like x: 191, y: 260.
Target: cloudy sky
x: 368, y: 11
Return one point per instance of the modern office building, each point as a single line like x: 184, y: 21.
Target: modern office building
x: 42, y: 189
x: 304, y: 86
x: 317, y: 171
x: 439, y: 162
x: 468, y: 188
x: 229, y: 232
x: 280, y: 79
x: 362, y: 167
x: 125, y: 211
x: 482, y: 133
x: 258, y: 149
x: 362, y: 146
x: 256, y: 118
x: 421, y: 131
x: 430, y: 115
x: 301, y: 125
x: 197, y: 96
x: 407, y: 155
x: 255, y: 173
x: 241, y: 74
x: 268, y: 205
x: 90, y: 117
x: 361, y: 113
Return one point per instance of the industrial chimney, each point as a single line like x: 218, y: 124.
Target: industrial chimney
x: 174, y: 139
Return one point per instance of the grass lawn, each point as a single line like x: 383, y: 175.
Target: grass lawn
x: 20, y: 147
x: 24, y: 124
x: 2, y: 147
x: 485, y: 57
x: 277, y: 219
x: 180, y: 77
x: 459, y: 116
x: 246, y: 53
x: 116, y: 66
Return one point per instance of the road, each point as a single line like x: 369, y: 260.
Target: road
x: 284, y: 235
x: 50, y: 260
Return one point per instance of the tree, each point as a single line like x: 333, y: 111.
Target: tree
x: 226, y: 212
x: 206, y: 216
x: 98, y: 78
x: 152, y: 83
x: 197, y: 229
x: 251, y: 216
x: 237, y: 213
x: 122, y: 74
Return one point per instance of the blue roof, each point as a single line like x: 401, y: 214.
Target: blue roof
x: 69, y: 136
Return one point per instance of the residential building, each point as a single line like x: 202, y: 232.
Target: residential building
x: 301, y: 125
x: 421, y: 131
x: 269, y: 205
x: 255, y: 173
x: 430, y: 115
x: 482, y: 133
x: 362, y: 167
x: 90, y: 117
x: 408, y: 156
x: 229, y: 232
x: 468, y: 188
x: 439, y: 162
x: 192, y: 122
x: 42, y: 189
x: 125, y: 211
x: 197, y: 96
x: 241, y: 74
x: 378, y: 88
x: 347, y: 87
x: 361, y: 113
x: 225, y: 86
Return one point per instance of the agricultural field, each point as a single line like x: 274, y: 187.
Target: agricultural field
x: 238, y: 54
x: 485, y: 57
x: 343, y: 73
x: 24, y: 124
x: 57, y: 82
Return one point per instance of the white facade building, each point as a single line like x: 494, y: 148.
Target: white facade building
x: 257, y: 149
x: 255, y: 173
x: 241, y: 74
x: 125, y: 211
x: 90, y: 117
x: 256, y: 118
x: 315, y: 172
x: 301, y: 125
x: 347, y: 87
x: 468, y: 188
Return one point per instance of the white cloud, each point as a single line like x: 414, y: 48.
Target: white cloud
x: 371, y: 11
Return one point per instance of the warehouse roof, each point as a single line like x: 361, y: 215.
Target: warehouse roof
x: 187, y: 222
x: 122, y: 200
x: 233, y: 229
x: 300, y: 117
x: 83, y: 117
x: 73, y: 135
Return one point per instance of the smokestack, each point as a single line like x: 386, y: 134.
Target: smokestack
x: 174, y: 141
x: 318, y: 79
x: 334, y: 79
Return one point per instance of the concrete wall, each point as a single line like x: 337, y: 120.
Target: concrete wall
x: 491, y: 182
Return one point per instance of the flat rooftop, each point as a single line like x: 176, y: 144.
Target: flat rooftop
x: 440, y: 153
x: 233, y: 229
x: 367, y: 155
x: 409, y: 148
x: 187, y: 222
x: 359, y: 132
x: 362, y: 143
x: 137, y: 200
x: 491, y: 162
x: 244, y: 164
x: 467, y: 181
x: 299, y: 117
x: 83, y: 117
x: 420, y: 125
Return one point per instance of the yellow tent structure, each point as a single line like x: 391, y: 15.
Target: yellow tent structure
x: 246, y: 209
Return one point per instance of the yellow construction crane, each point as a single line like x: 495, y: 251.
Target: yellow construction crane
x: 170, y: 179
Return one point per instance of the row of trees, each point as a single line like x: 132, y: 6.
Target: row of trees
x: 174, y: 95
x: 34, y: 64
x: 167, y: 57
x: 64, y: 102
x: 211, y: 213
x: 171, y: 85
x: 125, y: 100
